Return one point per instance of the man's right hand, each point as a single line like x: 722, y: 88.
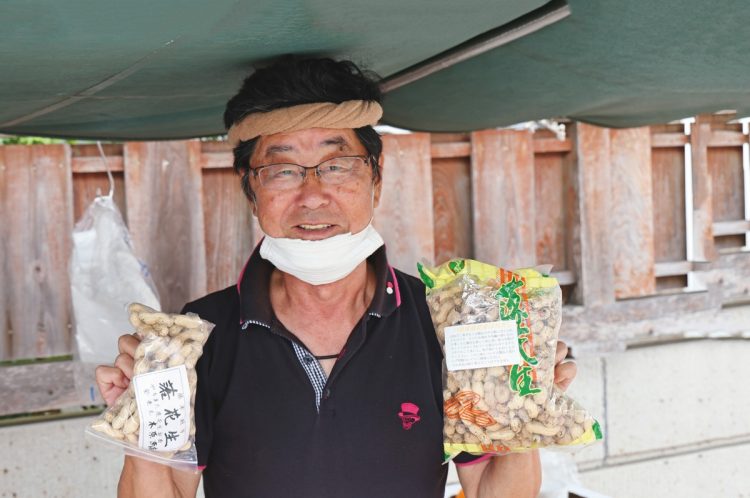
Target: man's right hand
x: 113, y: 381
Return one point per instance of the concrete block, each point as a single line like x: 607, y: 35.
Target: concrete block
x: 588, y: 390
x: 676, y: 395
x: 55, y: 460
x: 718, y: 472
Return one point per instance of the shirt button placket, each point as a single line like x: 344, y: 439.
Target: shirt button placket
x: 327, y: 408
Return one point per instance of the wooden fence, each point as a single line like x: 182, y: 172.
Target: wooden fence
x: 608, y: 208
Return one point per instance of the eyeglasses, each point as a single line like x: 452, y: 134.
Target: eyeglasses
x: 287, y: 176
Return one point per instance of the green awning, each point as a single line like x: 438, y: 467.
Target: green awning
x: 613, y: 63
x: 149, y: 70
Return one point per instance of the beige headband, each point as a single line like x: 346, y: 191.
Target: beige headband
x: 349, y: 114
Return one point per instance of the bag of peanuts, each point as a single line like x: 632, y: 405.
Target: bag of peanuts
x: 154, y: 418
x: 498, y: 330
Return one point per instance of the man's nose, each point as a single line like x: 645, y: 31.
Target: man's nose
x: 312, y: 192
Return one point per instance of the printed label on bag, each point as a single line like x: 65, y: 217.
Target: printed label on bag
x: 481, y: 345
x: 163, y: 399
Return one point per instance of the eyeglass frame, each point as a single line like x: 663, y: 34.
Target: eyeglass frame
x: 367, y: 158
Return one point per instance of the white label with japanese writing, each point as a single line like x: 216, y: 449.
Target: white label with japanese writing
x: 163, y: 399
x: 481, y: 345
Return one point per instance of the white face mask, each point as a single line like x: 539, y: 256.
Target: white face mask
x: 319, y: 262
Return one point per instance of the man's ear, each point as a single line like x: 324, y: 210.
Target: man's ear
x: 378, y: 183
x: 253, y: 206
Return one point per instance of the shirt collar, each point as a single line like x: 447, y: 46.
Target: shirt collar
x: 255, y: 302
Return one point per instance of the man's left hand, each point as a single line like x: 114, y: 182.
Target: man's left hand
x: 565, y: 370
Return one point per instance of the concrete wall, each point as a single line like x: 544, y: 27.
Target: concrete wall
x: 676, y: 420
x: 55, y: 460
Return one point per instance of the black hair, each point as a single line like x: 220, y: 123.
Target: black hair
x: 292, y: 81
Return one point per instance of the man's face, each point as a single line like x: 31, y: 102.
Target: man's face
x: 314, y: 211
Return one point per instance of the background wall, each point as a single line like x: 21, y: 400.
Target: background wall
x: 646, y: 228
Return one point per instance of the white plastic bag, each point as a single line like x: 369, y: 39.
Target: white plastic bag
x: 105, y: 276
x: 155, y: 417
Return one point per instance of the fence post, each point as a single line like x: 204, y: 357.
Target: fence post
x: 591, y: 192
x: 405, y: 216
x: 502, y: 176
x: 703, y: 238
x: 5, y: 269
x: 451, y: 194
x: 37, y: 192
x: 632, y: 221
x: 164, y: 192
x: 231, y: 229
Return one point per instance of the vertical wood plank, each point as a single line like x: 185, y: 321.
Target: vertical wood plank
x: 5, y: 270
x: 212, y: 148
x: 86, y: 186
x: 591, y: 186
x: 703, y: 239
x: 165, y: 216
x: 404, y: 217
x: 668, y: 198
x: 725, y: 167
x: 451, y: 193
x: 632, y: 220
x: 503, y: 197
x: 229, y: 227
x: 37, y: 195
x: 551, y: 210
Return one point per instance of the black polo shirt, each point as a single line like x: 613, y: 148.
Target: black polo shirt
x: 270, y: 424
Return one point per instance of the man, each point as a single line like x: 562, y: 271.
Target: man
x: 321, y: 343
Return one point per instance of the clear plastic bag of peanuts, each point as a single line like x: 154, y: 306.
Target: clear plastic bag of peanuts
x: 498, y: 330
x: 154, y: 418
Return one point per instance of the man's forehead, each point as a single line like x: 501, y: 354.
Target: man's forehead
x: 307, y: 140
